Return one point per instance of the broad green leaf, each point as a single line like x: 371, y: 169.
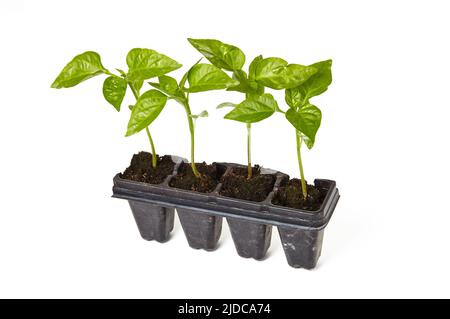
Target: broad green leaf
x: 114, y: 89
x: 254, y: 109
x: 225, y: 104
x: 319, y: 82
x: 146, y: 110
x: 222, y: 55
x: 293, y: 97
x: 306, y: 120
x: 145, y: 64
x: 205, y: 77
x: 277, y: 74
x: 82, y: 67
x: 201, y: 114
x: 167, y: 85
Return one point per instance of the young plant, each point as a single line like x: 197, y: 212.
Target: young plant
x: 300, y: 84
x: 303, y: 115
x: 200, y: 77
x: 257, y: 106
x: 142, y: 64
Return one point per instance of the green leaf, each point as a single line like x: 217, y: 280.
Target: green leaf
x: 122, y: 72
x: 257, y: 88
x: 222, y: 55
x: 253, y: 66
x: 319, y: 82
x: 136, y: 85
x: 277, y: 74
x: 225, y: 104
x: 185, y: 76
x: 114, y: 89
x: 244, y: 84
x: 315, y: 85
x: 146, y: 110
x: 205, y: 77
x: 293, y: 97
x: 202, y: 114
x: 82, y: 67
x: 145, y: 64
x: 306, y: 120
x: 167, y: 85
x: 254, y: 109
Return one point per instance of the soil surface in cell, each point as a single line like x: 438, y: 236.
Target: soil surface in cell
x: 209, y: 177
x: 141, y: 169
x: 290, y: 195
x: 236, y: 184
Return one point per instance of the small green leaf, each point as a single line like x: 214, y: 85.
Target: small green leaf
x: 82, y: 67
x: 136, y: 86
x: 254, y: 109
x: 202, y: 114
x: 130, y: 106
x: 256, y: 87
x: 205, y: 77
x: 114, y: 89
x: 167, y: 85
x: 225, y: 104
x: 319, y: 82
x: 185, y: 76
x: 146, y: 110
x: 293, y: 97
x: 253, y: 66
x: 122, y: 72
x: 247, y: 85
x: 244, y: 84
x: 222, y: 55
x: 306, y: 120
x: 277, y: 74
x: 145, y: 64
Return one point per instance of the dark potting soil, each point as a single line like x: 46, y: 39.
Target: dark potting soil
x: 290, y: 195
x: 207, y: 181
x: 237, y: 185
x: 141, y: 169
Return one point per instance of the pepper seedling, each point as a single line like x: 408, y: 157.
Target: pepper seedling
x: 303, y: 115
x: 201, y: 77
x: 142, y: 64
x: 257, y: 106
x: 300, y: 84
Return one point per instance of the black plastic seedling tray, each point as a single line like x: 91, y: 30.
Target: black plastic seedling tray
x: 250, y: 223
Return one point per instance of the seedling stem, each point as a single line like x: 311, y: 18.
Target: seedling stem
x: 192, y: 132
x: 249, y: 159
x: 299, y: 141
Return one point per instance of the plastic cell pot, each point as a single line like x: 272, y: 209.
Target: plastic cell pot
x: 202, y: 231
x: 252, y: 240
x: 302, y: 247
x: 154, y: 222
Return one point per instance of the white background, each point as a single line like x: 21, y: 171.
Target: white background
x: 384, y: 139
